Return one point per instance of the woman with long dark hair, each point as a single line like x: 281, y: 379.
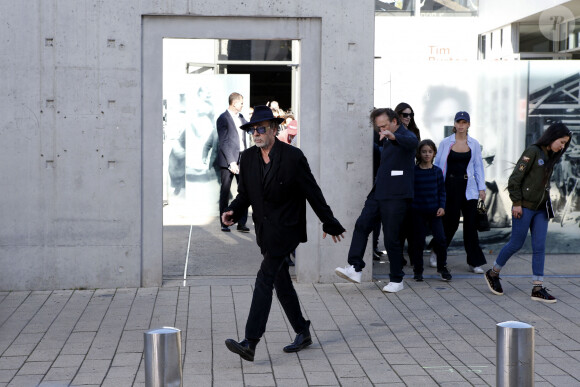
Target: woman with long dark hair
x: 529, y: 191
x: 460, y: 159
x: 407, y: 117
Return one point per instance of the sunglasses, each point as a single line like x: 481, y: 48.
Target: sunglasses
x: 407, y: 115
x: 259, y: 129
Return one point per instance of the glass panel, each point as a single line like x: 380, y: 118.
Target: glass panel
x: 403, y: 7
x: 563, y: 41
x: 511, y: 103
x: 450, y: 7
x: 532, y: 39
x: 256, y: 50
x: 573, y: 34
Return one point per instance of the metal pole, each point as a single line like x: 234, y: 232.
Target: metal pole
x: 163, y: 357
x: 515, y: 354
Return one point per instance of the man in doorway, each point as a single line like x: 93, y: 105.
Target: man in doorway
x: 232, y: 142
x: 276, y: 181
x: 388, y: 200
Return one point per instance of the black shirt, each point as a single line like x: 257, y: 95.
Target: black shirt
x: 457, y: 164
x: 265, y: 168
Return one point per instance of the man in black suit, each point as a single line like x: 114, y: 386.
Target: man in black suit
x: 232, y: 142
x: 276, y: 181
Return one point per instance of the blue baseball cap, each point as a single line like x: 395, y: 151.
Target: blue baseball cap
x: 462, y: 116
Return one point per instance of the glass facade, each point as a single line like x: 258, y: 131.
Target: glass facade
x: 532, y: 39
x: 255, y: 50
x: 395, y: 7
x: 449, y: 7
x: 570, y: 35
x: 428, y: 7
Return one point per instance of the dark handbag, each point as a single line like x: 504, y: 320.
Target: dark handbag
x: 481, y: 220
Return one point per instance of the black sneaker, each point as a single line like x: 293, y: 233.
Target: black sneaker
x: 493, y: 283
x: 243, y: 228
x: 445, y: 274
x: 540, y: 293
x: 378, y: 254
x: 418, y: 277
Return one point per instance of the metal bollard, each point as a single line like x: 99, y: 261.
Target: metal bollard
x: 163, y: 357
x: 514, y: 354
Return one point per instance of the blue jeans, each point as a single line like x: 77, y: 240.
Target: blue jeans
x: 537, y: 223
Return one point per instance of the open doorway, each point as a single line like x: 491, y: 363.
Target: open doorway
x: 198, y: 76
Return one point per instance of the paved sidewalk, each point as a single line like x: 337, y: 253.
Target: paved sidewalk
x: 431, y: 333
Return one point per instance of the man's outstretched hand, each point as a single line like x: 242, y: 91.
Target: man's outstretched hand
x: 335, y: 238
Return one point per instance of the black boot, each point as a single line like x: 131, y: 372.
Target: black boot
x: 245, y: 348
x: 301, y: 341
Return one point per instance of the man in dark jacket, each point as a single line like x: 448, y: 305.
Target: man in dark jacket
x: 232, y: 142
x: 388, y: 200
x: 276, y: 181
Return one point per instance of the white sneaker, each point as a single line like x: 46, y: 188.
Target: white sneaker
x: 349, y: 274
x: 433, y: 259
x: 393, y: 287
x: 476, y: 269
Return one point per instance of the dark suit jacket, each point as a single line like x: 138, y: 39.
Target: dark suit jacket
x: 396, y: 175
x: 279, y: 202
x: 229, y: 140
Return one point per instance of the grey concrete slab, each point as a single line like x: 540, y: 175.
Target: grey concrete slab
x: 431, y: 333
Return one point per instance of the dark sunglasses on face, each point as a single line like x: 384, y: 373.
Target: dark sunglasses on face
x: 407, y: 115
x: 259, y: 129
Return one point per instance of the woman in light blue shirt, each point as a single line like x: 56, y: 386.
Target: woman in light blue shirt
x: 459, y: 157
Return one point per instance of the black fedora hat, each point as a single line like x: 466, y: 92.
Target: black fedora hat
x: 261, y: 113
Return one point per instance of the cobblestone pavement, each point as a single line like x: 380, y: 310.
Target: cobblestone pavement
x: 431, y: 333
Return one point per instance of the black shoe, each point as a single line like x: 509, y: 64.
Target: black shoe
x: 225, y: 229
x: 243, y: 228
x: 493, y: 283
x: 302, y: 340
x: 378, y: 255
x: 444, y: 273
x: 244, y: 348
x: 418, y: 277
x: 540, y: 293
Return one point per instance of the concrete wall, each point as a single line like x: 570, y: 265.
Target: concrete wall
x: 81, y: 168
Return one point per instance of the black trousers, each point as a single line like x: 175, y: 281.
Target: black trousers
x: 273, y: 274
x: 422, y: 222
x: 376, y: 233
x: 456, y: 204
x: 391, y: 213
x: 226, y: 185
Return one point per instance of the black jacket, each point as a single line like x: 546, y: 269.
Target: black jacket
x: 279, y: 202
x: 229, y: 140
x: 526, y: 185
x: 395, y: 177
